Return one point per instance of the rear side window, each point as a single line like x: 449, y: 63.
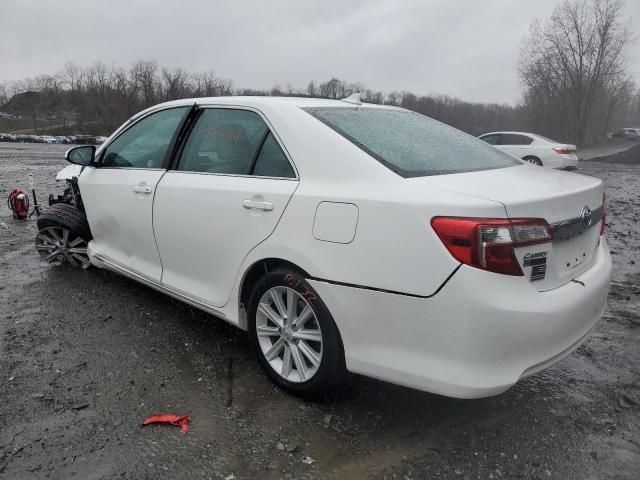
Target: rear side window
x: 513, y: 139
x: 224, y: 141
x: 411, y: 144
x: 271, y: 161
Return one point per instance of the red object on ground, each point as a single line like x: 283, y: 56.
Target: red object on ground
x: 18, y: 203
x: 178, y: 420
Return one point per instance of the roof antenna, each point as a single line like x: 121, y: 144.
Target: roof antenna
x: 353, y: 98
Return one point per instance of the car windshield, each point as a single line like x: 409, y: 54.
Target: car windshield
x: 411, y: 144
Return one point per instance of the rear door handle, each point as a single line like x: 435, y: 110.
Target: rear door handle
x: 142, y: 189
x: 254, y: 204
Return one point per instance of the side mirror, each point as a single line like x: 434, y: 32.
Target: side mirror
x: 82, y: 155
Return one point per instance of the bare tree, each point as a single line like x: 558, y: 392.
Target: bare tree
x: 570, y: 61
x: 4, y: 93
x: 311, y: 89
x: 334, y: 88
x: 174, y: 84
x: 145, y: 75
x: 207, y: 84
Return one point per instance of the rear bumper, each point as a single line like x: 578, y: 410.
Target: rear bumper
x: 563, y: 162
x: 477, y: 337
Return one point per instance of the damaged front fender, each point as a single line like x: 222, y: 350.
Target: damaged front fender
x: 68, y: 172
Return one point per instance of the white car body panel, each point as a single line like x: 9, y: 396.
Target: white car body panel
x: 556, y: 195
x: 476, y: 338
x: 407, y: 311
x: 68, y: 172
x: 335, y: 222
x: 540, y: 148
x: 205, y: 213
x: 121, y: 218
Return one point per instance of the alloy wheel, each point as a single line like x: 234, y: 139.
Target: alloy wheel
x: 60, y: 245
x: 289, y: 334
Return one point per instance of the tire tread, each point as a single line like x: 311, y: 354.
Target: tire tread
x: 66, y: 216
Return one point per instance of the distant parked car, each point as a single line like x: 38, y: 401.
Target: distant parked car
x: 62, y: 140
x: 88, y: 140
x: 626, y: 133
x: 534, y: 149
x: 80, y: 139
x: 29, y: 139
x: 48, y: 139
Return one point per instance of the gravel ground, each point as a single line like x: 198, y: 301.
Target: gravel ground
x: 85, y: 356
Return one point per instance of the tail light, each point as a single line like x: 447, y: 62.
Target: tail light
x: 564, y: 150
x: 604, y: 214
x: 488, y: 243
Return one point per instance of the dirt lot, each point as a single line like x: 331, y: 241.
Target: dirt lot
x: 85, y: 356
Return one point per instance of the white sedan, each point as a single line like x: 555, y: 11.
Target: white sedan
x: 345, y: 237
x: 534, y: 149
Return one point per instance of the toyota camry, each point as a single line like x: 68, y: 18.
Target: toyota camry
x: 344, y: 237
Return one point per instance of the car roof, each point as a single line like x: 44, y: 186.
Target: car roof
x: 264, y: 101
x: 297, y: 101
x: 510, y: 133
x: 297, y: 130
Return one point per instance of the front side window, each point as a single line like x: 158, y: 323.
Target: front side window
x: 146, y: 143
x: 411, y: 144
x: 224, y: 141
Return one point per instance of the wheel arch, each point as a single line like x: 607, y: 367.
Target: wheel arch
x: 252, y: 274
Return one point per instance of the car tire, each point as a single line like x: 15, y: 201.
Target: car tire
x: 63, y: 235
x: 533, y: 161
x: 295, y: 371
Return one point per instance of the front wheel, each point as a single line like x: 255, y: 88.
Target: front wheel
x: 296, y: 340
x: 63, y: 236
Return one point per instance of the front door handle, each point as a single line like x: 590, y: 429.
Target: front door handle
x: 142, y: 189
x: 256, y: 205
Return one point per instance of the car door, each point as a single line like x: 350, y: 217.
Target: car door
x: 118, y: 191
x: 514, y: 144
x: 227, y: 193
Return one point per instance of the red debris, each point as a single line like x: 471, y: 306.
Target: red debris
x: 177, y: 420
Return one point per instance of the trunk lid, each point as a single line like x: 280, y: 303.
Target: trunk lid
x: 571, y: 203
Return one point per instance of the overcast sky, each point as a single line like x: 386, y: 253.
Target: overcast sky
x: 464, y: 48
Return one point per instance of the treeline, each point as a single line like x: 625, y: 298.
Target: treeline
x: 97, y: 99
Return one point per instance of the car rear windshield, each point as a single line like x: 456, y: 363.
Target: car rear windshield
x: 411, y: 144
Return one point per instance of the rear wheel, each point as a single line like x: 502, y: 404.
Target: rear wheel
x: 533, y: 161
x: 296, y: 340
x: 63, y: 236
